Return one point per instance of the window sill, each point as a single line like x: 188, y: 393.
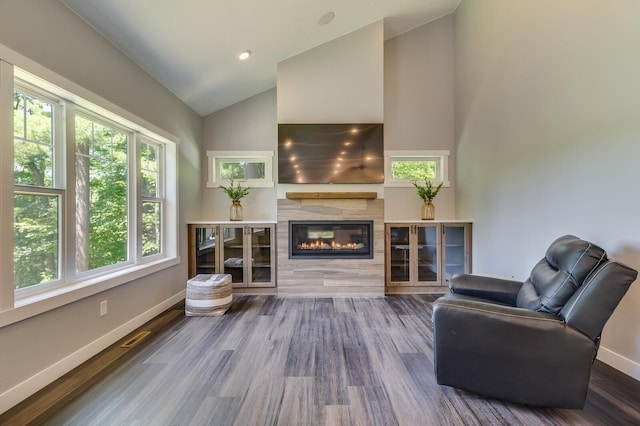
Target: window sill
x: 28, y: 307
x: 409, y: 183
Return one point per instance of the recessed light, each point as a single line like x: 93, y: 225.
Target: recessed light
x: 326, y: 18
x: 244, y: 55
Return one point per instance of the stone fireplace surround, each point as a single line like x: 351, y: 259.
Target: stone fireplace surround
x: 330, y: 277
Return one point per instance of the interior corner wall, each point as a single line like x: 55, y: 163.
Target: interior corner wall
x: 418, y: 109
x: 60, y: 41
x: 249, y: 125
x: 547, y: 132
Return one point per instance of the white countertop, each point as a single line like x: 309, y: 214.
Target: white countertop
x: 426, y: 222
x: 231, y: 222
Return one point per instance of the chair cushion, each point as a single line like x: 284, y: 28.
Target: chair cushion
x: 568, y: 261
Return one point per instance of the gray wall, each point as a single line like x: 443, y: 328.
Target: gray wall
x: 249, y: 125
x: 338, y: 82
x: 48, y: 33
x: 418, y: 109
x: 415, y: 100
x: 547, y: 129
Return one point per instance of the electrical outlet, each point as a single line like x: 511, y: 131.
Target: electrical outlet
x: 103, y: 308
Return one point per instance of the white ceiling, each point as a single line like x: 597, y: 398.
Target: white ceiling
x: 191, y: 46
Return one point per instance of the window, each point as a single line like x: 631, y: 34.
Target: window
x: 151, y: 159
x: 404, y: 167
x: 94, y: 194
x: 101, y: 186
x: 252, y: 167
x: 37, y: 187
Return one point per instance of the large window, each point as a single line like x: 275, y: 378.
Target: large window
x: 94, y: 194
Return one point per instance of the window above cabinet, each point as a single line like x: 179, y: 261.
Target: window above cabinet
x: 253, y: 168
x: 404, y: 167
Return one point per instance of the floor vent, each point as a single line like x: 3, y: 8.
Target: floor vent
x: 135, y: 339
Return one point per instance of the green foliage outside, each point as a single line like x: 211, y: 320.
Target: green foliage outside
x: 101, y: 195
x: 413, y: 170
x: 36, y: 215
x: 242, y: 170
x: 101, y: 214
x: 35, y: 239
x: 151, y: 210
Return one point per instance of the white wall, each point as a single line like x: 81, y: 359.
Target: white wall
x: 48, y: 33
x: 338, y: 82
x: 418, y: 109
x: 249, y: 125
x: 548, y: 138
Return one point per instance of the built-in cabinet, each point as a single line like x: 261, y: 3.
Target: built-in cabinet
x: 421, y: 257
x: 246, y: 251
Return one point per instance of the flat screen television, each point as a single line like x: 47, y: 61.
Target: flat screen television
x: 330, y: 153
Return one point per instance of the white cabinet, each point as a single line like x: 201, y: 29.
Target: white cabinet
x: 244, y: 251
x: 421, y: 257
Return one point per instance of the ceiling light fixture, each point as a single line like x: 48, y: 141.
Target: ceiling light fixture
x: 326, y: 18
x: 244, y: 55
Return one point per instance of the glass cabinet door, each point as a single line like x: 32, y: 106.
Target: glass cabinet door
x: 427, y: 252
x: 455, y: 250
x: 261, y: 254
x: 206, y: 253
x: 399, y: 268
x: 233, y: 253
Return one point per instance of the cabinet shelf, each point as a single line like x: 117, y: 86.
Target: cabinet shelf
x: 249, y: 256
x: 416, y: 255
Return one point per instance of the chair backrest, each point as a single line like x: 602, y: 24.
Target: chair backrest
x: 591, y: 306
x: 567, y: 263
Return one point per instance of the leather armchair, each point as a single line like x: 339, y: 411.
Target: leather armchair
x: 531, y: 342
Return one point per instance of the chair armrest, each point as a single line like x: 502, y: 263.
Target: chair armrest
x: 498, y: 289
x: 510, y: 353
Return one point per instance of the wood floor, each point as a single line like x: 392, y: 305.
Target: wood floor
x: 306, y: 361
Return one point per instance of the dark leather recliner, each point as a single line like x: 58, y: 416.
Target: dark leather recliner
x: 531, y: 342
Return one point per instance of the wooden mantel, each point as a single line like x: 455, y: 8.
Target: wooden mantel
x: 332, y: 195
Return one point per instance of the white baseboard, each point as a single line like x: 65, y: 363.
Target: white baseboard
x: 38, y: 381
x: 617, y: 361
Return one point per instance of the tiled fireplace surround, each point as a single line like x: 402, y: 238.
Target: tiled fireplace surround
x: 330, y: 277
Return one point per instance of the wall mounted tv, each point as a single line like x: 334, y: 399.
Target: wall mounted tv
x: 330, y: 153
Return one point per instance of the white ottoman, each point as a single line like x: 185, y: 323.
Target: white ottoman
x: 208, y: 295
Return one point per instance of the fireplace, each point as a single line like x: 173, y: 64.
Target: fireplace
x: 345, y: 239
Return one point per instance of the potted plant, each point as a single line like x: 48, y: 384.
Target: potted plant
x: 427, y: 192
x: 235, y: 193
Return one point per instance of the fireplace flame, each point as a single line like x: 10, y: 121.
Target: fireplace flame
x: 321, y: 245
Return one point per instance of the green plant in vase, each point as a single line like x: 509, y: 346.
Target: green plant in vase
x: 427, y: 192
x: 235, y: 193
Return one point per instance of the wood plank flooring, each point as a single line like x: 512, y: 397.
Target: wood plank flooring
x: 314, y: 361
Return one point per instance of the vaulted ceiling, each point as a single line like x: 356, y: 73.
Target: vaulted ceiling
x: 192, y: 46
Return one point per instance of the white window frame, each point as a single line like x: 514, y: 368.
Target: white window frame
x: 440, y: 156
x: 159, y: 198
x: 214, y: 158
x: 17, y: 305
x: 132, y: 206
x: 57, y: 189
